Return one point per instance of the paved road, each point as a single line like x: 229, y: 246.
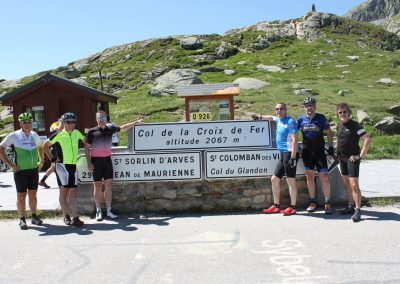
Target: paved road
x: 247, y: 248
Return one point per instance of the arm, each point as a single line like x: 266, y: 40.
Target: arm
x: 329, y: 135
x: 5, y: 159
x: 46, y: 149
x: 129, y: 125
x: 41, y: 157
x: 267, y: 117
x: 88, y: 157
x: 367, y: 142
x: 295, y: 140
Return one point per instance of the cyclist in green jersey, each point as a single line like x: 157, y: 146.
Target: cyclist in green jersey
x: 68, y: 139
x: 28, y: 162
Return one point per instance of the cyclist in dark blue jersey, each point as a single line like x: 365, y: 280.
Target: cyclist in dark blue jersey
x: 286, y: 140
x: 313, y: 126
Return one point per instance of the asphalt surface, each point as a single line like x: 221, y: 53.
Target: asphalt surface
x: 378, y: 178
x: 242, y: 248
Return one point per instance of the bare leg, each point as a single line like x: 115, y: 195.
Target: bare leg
x: 276, y: 188
x: 73, y: 201
x: 108, y: 192
x: 326, y: 187
x: 292, y: 190
x: 21, y: 197
x: 63, y: 200
x: 346, y: 181
x: 311, y: 183
x: 32, y: 200
x: 97, y: 193
x: 356, y: 191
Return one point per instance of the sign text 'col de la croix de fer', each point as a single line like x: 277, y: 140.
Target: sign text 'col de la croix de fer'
x: 205, y: 135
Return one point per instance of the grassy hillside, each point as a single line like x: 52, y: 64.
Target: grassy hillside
x: 308, y: 65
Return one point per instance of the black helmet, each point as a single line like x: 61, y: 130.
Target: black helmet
x: 309, y: 101
x: 69, y: 116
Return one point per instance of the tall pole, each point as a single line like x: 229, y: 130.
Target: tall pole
x: 101, y: 79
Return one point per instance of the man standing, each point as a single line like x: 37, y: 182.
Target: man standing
x: 313, y: 125
x: 98, y: 157
x: 28, y: 162
x: 286, y: 140
x: 350, y: 155
x: 68, y: 140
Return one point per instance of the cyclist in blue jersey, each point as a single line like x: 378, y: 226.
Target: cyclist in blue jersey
x: 28, y: 161
x: 313, y: 126
x: 286, y: 140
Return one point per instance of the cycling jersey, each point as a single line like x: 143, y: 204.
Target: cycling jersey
x: 25, y: 148
x: 349, y: 135
x: 285, y: 127
x: 100, y: 140
x: 313, y: 131
x: 69, y: 144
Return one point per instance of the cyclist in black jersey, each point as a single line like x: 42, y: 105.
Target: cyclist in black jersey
x: 350, y: 155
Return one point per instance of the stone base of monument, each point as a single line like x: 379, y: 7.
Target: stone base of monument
x: 216, y: 196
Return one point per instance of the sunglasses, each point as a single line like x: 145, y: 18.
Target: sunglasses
x: 279, y: 108
x: 306, y: 106
x: 69, y: 122
x: 26, y: 122
x: 342, y: 112
x: 101, y: 118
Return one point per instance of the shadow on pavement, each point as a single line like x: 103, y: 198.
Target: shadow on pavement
x: 57, y: 230
x: 379, y: 216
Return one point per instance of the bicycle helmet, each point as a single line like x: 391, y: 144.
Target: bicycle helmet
x: 309, y: 101
x: 69, y: 116
x: 25, y: 117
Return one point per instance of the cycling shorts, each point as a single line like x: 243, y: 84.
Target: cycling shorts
x: 314, y: 160
x: 282, y: 166
x: 103, y: 168
x: 349, y: 168
x: 66, y: 175
x: 26, y: 180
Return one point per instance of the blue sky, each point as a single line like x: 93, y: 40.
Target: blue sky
x: 45, y: 34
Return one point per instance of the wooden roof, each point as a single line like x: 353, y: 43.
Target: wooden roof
x: 48, y: 79
x: 208, y: 89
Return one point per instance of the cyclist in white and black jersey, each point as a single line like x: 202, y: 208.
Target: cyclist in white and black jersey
x: 28, y: 161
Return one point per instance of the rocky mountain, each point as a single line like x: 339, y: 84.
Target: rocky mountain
x: 373, y: 10
x: 379, y: 12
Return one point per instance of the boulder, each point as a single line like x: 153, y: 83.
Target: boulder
x: 211, y: 69
x: 250, y: 83
x: 226, y: 50
x: 168, y: 83
x: 386, y: 81
x: 353, y: 57
x: 71, y: 73
x: 389, y: 125
x: 363, y: 117
x: 270, y: 68
x: 229, y: 72
x: 395, y: 110
x: 191, y: 43
x: 305, y: 92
